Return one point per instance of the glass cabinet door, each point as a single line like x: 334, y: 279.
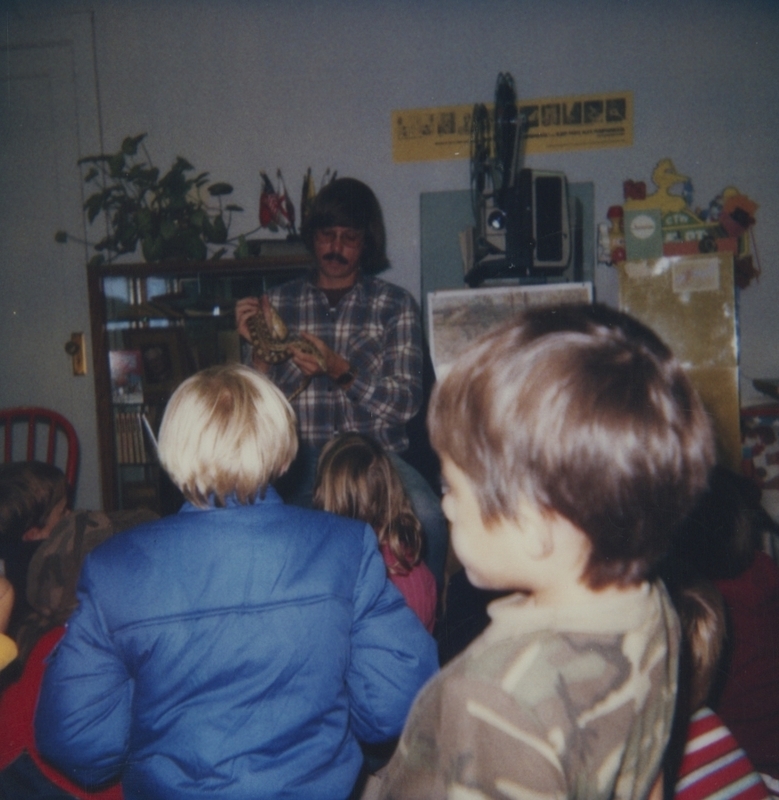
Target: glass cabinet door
x: 154, y: 325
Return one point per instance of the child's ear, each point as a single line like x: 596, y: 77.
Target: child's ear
x: 537, y: 534
x: 543, y: 543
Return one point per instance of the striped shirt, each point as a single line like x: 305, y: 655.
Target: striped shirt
x: 376, y: 328
x: 714, y: 767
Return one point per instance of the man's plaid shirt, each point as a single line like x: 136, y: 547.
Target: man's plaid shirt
x: 376, y: 327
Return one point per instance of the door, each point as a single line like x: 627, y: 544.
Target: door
x: 49, y: 119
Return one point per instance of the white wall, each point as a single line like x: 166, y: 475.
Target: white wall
x: 236, y: 86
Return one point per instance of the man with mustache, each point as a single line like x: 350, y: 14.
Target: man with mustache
x: 369, y: 334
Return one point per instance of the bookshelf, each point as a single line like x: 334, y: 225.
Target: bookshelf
x: 162, y: 322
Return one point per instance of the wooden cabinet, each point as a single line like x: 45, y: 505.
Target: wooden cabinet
x: 171, y: 319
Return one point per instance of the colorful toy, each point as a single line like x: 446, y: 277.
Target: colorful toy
x: 724, y: 226
x: 664, y: 177
x: 617, y: 253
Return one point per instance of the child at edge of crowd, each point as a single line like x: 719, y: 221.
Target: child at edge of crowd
x: 703, y: 760
x: 720, y: 541
x: 33, y: 499
x: 355, y: 478
x: 34, y: 507
x: 572, y: 444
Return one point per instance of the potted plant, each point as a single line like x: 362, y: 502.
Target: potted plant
x: 167, y: 214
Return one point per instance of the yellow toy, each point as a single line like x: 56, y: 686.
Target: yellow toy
x: 8, y: 650
x: 725, y: 226
x: 664, y: 177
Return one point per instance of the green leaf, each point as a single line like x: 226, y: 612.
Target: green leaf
x: 130, y: 144
x: 101, y: 159
x: 168, y: 229
x: 219, y: 235
x: 136, y: 174
x: 145, y: 222
x: 61, y: 237
x: 218, y: 254
x: 96, y: 261
x: 242, y: 248
x: 233, y: 207
x: 217, y: 189
x: 116, y: 165
x: 182, y: 165
x: 92, y: 173
x: 127, y: 236
x: 178, y: 200
x: 152, y: 248
x: 93, y: 206
x: 195, y: 248
x: 149, y: 177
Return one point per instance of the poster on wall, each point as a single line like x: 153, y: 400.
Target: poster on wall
x: 457, y: 317
x: 554, y: 124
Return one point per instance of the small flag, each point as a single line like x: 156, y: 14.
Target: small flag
x: 269, y: 203
x: 286, y: 209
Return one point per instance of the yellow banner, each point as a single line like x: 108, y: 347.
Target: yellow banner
x: 579, y: 122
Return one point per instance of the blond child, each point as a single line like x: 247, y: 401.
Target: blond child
x: 572, y: 444
x: 356, y: 478
x: 242, y: 647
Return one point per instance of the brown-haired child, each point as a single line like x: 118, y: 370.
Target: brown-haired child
x: 356, y: 478
x: 33, y: 499
x: 704, y: 761
x: 572, y: 444
x: 720, y: 541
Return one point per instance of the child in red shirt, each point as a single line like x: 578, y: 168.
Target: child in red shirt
x: 355, y: 478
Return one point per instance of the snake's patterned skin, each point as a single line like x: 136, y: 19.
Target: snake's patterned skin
x: 272, y: 344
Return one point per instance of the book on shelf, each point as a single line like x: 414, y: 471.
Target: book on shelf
x: 132, y: 430
x: 126, y: 370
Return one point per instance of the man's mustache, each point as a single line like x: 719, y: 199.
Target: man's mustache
x: 335, y: 257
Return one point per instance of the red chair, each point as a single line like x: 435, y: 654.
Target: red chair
x: 21, y: 426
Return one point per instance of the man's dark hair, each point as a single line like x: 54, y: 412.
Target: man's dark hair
x: 349, y: 203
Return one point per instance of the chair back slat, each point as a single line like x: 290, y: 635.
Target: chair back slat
x: 31, y: 439
x: 51, y: 444
x: 32, y: 417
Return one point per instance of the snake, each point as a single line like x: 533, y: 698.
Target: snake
x: 273, y: 344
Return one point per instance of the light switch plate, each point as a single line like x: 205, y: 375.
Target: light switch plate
x: 78, y: 353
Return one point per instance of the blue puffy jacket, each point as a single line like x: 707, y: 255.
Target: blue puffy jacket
x: 234, y: 652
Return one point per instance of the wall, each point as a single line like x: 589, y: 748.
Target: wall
x: 238, y: 86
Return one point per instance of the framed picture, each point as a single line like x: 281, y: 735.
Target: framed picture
x: 165, y: 356
x: 456, y: 317
x: 126, y: 368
